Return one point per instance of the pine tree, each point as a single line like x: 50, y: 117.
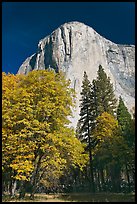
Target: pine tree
x: 103, y: 94
x: 102, y: 100
x: 127, y: 127
x: 85, y: 113
x: 94, y: 103
x: 125, y: 122
x: 123, y: 116
x: 97, y: 98
x: 84, y: 126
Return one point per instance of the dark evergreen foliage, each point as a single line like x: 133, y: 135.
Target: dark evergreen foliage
x: 127, y: 126
x: 84, y: 128
x: 123, y: 116
x: 103, y: 91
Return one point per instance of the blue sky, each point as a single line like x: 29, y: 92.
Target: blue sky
x: 25, y: 23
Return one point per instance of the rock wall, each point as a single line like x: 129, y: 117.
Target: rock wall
x: 74, y: 48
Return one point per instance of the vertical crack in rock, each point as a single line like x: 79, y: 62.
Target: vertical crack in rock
x: 64, y: 40
x: 49, y: 59
x: 48, y: 54
x: 70, y: 42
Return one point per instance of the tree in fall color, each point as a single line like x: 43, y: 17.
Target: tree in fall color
x: 107, y: 151
x: 36, y: 136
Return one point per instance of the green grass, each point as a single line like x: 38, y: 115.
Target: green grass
x: 75, y: 197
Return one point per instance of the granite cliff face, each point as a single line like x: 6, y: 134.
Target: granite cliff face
x: 74, y: 48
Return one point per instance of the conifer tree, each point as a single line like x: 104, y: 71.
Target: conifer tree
x: 127, y: 127
x: 85, y: 112
x: 102, y: 100
x: 103, y: 94
x: 97, y: 98
x: 84, y: 126
x: 123, y: 116
x: 125, y: 122
x: 94, y: 103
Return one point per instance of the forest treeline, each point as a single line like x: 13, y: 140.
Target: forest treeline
x: 42, y: 153
x: 108, y: 130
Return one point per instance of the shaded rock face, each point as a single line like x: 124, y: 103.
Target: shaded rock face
x: 74, y: 48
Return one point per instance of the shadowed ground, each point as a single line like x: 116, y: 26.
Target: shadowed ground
x: 76, y: 197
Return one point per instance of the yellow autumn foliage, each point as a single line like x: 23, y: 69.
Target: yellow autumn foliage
x: 35, y: 110
x: 105, y: 126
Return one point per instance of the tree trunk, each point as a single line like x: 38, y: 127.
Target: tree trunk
x: 22, y: 190
x: 35, y: 177
x: 128, y: 179
x: 98, y: 181
x: 102, y: 179
x: 90, y: 156
x: 133, y: 177
x: 3, y: 186
x: 91, y: 173
x: 12, y: 187
x: 32, y: 194
x: 115, y: 178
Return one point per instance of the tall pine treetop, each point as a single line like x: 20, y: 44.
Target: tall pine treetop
x: 123, y: 116
x: 104, y: 93
x: 86, y: 86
